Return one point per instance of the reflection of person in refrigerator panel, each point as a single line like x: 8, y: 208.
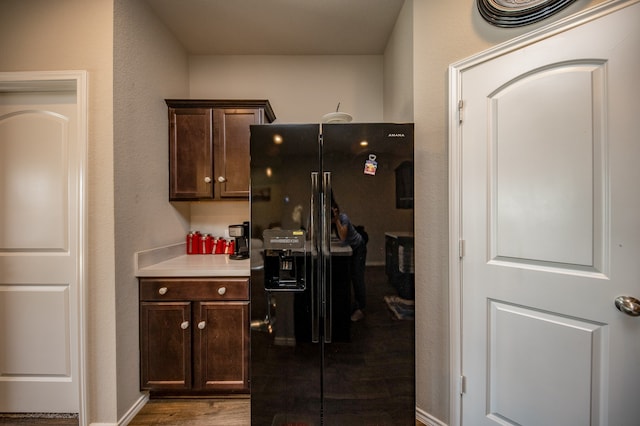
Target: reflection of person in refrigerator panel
x: 348, y: 234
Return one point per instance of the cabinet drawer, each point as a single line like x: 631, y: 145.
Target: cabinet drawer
x: 153, y: 289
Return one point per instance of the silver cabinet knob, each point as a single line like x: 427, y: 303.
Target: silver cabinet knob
x: 202, y: 325
x: 163, y: 290
x: 207, y: 179
x: 628, y: 305
x: 222, y: 179
x: 222, y: 291
x: 184, y: 325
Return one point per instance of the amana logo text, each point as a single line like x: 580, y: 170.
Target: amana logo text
x: 395, y: 135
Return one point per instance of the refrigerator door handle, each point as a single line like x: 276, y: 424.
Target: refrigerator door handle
x: 315, y: 252
x: 326, y: 256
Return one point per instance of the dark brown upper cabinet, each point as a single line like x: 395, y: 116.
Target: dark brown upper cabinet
x: 209, y: 147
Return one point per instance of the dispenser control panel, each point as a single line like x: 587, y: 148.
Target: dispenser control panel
x: 285, y: 259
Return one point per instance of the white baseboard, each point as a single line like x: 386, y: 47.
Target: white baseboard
x: 428, y: 419
x: 135, y: 408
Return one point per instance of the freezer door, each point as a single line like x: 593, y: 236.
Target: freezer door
x: 285, y: 227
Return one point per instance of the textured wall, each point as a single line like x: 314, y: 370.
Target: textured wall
x: 301, y: 88
x: 398, y: 69
x: 149, y: 66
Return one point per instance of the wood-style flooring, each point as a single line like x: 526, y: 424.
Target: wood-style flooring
x: 194, y: 412
x: 185, y: 412
x: 214, y: 412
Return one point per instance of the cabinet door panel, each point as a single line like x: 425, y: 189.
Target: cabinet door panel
x: 231, y: 144
x: 190, y: 156
x: 221, y: 346
x: 165, y: 345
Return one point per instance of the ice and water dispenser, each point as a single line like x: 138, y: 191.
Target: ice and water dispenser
x: 285, y: 259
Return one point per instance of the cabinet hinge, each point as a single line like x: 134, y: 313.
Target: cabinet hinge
x: 462, y: 385
x: 461, y: 248
x: 460, y: 106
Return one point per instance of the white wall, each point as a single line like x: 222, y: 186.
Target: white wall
x: 149, y: 66
x: 398, y: 69
x: 301, y: 89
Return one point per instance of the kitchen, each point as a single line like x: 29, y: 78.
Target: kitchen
x: 129, y: 52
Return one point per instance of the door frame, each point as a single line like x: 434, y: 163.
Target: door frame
x: 455, y: 117
x: 77, y: 80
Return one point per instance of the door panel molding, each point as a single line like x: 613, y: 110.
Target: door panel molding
x: 520, y: 147
x: 522, y: 357
x: 27, y: 159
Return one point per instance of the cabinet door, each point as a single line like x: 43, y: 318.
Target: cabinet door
x: 190, y: 154
x: 165, y: 345
x: 231, y: 145
x: 221, y: 346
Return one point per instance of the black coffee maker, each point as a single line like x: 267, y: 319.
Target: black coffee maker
x: 240, y: 233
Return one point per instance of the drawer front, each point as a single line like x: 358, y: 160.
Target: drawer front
x: 156, y: 289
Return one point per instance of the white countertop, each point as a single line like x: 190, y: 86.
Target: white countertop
x: 171, y: 261
x: 208, y: 265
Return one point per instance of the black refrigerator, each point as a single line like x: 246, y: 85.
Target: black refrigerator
x: 332, y: 330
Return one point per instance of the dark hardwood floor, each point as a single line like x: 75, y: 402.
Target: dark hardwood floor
x: 194, y: 412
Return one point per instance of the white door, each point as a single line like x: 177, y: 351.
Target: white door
x: 41, y: 169
x: 547, y: 153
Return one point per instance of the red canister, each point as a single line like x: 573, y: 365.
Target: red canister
x: 193, y: 242
x: 207, y: 244
x: 203, y: 245
x: 197, y: 242
x: 221, y: 246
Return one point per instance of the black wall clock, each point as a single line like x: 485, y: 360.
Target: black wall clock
x: 517, y: 13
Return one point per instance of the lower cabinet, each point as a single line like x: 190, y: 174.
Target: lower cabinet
x: 194, y: 335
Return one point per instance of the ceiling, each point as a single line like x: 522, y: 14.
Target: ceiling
x: 280, y: 27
